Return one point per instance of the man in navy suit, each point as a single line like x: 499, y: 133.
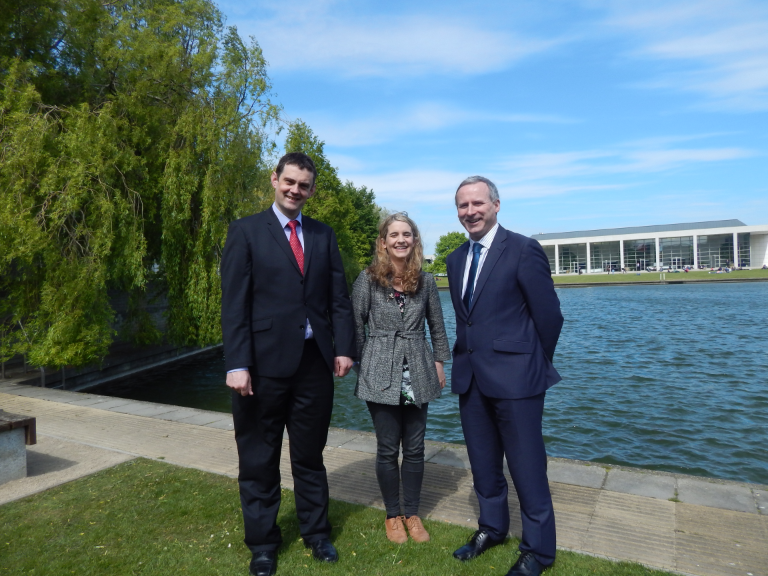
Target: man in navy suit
x: 508, y: 322
x: 286, y: 318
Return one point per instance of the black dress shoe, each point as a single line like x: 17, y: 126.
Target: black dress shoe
x: 323, y: 550
x: 264, y: 563
x: 526, y: 565
x: 479, y: 543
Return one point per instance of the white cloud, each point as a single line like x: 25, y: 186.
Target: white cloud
x: 325, y: 36
x: 387, y: 125
x: 721, y: 46
x: 623, y: 159
x: 547, y: 174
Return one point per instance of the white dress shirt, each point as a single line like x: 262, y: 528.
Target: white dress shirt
x: 485, y: 242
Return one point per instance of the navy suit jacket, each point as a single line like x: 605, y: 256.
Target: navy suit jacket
x: 265, y: 300
x: 507, y: 339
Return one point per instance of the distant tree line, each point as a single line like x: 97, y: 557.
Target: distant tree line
x: 131, y: 134
x: 446, y: 244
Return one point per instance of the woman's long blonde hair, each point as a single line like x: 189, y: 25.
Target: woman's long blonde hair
x: 381, y: 269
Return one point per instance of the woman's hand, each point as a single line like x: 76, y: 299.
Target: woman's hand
x: 440, y: 373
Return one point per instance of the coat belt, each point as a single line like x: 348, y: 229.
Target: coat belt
x: 396, y: 374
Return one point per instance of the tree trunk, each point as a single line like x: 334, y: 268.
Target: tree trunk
x: 42, y: 376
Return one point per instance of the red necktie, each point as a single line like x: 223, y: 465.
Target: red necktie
x: 296, y: 245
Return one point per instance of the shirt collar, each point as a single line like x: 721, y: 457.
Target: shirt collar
x: 282, y: 217
x: 486, y: 240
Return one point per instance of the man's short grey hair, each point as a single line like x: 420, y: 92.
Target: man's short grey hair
x: 492, y: 190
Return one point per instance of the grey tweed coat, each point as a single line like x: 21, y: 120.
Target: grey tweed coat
x: 393, y: 337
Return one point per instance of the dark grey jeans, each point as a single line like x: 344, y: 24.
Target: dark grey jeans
x: 395, y: 425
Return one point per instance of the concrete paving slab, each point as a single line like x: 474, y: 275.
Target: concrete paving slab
x: 576, y: 474
x: 223, y: 424
x: 736, y: 497
x: 133, y: 407
x: 52, y: 461
x: 431, y: 449
x: 661, y: 486
x: 338, y: 437
x: 365, y: 444
x: 456, y: 457
x: 112, y: 403
x: 761, y: 497
x: 30, y: 391
x: 177, y: 415
x: 203, y: 418
x: 44, y: 393
x: 90, y: 400
x: 145, y: 409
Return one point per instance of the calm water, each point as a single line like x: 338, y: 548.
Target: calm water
x: 662, y: 377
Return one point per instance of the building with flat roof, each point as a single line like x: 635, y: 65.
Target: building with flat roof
x: 671, y: 246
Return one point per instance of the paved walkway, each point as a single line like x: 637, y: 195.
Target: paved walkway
x: 674, y: 522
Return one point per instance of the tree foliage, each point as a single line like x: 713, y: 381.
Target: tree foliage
x: 445, y: 245
x: 131, y: 134
x: 350, y: 211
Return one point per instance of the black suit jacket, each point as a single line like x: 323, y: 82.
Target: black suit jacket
x: 265, y: 300
x: 507, y: 339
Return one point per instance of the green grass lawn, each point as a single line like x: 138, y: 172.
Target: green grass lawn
x: 148, y: 517
x: 643, y: 277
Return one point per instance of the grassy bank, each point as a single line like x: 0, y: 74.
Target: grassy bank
x: 147, y: 517
x: 697, y: 276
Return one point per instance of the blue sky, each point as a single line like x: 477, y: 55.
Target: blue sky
x: 587, y: 114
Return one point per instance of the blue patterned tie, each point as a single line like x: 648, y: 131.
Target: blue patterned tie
x: 468, y: 293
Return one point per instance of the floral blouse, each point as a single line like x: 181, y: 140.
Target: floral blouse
x: 406, y: 390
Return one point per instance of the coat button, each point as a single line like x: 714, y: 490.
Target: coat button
x: 470, y: 350
x: 301, y: 282
x: 469, y: 323
x: 302, y: 326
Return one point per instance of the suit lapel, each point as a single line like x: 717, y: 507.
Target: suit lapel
x: 497, y: 247
x: 273, y: 224
x: 456, y: 279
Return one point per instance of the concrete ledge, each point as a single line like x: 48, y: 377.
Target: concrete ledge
x: 716, y: 495
x: 576, y: 474
x: 652, y: 485
x: 451, y: 455
x: 721, y: 494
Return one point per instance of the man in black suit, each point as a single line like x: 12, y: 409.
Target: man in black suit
x: 287, y: 324
x: 508, y: 322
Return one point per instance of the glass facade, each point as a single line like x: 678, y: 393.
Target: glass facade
x: 716, y: 250
x: 605, y: 256
x: 712, y: 251
x: 676, y: 252
x: 573, y: 257
x: 638, y: 254
x: 550, y: 252
x: 745, y: 255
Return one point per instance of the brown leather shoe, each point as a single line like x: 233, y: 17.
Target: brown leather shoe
x: 396, y: 530
x: 416, y: 529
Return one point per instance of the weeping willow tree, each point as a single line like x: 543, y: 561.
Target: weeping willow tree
x: 131, y: 134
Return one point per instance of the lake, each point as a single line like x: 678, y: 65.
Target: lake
x: 670, y: 378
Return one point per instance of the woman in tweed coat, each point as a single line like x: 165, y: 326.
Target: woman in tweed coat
x: 399, y: 373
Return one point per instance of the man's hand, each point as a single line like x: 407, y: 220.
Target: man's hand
x: 240, y: 382
x: 440, y: 373
x: 342, y: 365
